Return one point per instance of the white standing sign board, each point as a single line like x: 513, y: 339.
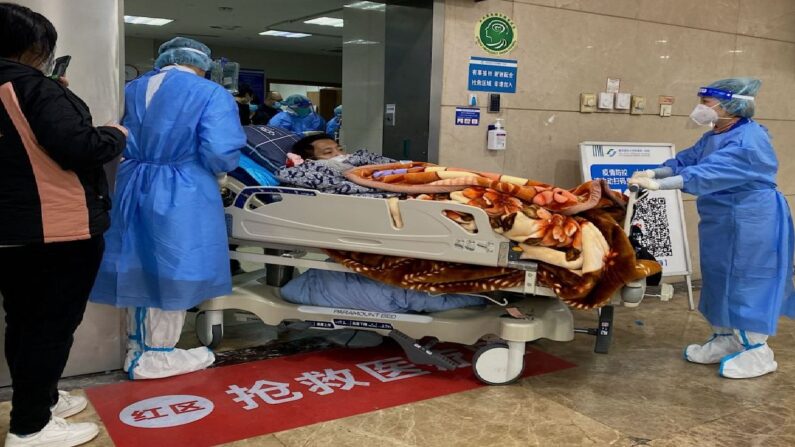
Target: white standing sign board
x: 661, y: 215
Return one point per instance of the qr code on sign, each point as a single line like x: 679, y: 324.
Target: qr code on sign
x: 652, y: 216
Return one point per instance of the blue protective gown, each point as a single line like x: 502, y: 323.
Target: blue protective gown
x: 333, y: 126
x: 167, y: 245
x: 746, y: 233
x: 310, y: 123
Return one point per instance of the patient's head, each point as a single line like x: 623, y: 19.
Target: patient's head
x: 317, y: 147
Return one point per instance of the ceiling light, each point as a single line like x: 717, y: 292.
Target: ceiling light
x: 661, y: 41
x: 360, y: 42
x: 735, y: 51
x: 284, y: 34
x: 326, y: 21
x: 367, y: 5
x: 135, y: 20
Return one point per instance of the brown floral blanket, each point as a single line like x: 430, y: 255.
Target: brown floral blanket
x: 584, y: 255
x: 430, y: 276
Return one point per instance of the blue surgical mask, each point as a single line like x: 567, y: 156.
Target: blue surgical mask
x: 253, y: 108
x: 303, y: 112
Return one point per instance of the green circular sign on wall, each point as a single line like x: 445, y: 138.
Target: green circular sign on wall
x: 496, y: 33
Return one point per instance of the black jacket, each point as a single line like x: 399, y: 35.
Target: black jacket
x: 52, y: 184
x: 245, y: 113
x: 263, y: 115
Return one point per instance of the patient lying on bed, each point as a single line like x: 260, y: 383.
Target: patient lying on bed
x: 318, y: 162
x: 318, y: 147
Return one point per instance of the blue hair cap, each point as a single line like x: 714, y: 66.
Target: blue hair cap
x: 740, y: 98
x: 184, y: 51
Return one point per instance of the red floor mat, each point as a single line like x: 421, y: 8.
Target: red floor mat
x: 229, y: 403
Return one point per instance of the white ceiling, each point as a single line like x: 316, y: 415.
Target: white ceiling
x: 210, y: 22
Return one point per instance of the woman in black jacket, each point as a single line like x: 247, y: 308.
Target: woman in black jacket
x: 53, y: 210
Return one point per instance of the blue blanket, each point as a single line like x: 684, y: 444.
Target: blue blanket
x: 262, y: 176
x: 352, y: 291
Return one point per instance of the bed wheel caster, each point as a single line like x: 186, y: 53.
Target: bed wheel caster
x: 604, y: 333
x: 632, y: 294
x: 499, y: 363
x: 209, y: 331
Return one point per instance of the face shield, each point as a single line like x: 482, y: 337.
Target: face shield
x: 703, y: 115
x: 303, y: 112
x: 721, y: 95
x: 297, y: 105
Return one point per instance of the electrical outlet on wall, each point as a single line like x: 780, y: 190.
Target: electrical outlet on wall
x: 638, y: 105
x: 665, y: 109
x: 623, y: 101
x: 606, y: 101
x: 587, y: 102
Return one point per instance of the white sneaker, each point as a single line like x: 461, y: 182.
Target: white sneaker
x: 68, y: 405
x: 57, y: 433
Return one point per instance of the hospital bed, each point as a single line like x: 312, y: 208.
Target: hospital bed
x: 291, y: 223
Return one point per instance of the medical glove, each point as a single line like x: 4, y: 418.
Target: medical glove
x: 646, y: 173
x: 645, y: 183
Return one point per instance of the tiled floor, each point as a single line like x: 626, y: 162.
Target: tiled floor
x: 642, y: 393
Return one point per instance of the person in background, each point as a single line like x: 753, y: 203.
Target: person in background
x: 298, y: 116
x: 167, y: 246
x: 745, y: 232
x: 333, y: 127
x: 53, y: 210
x: 247, y: 107
x: 268, y: 109
x: 244, y: 98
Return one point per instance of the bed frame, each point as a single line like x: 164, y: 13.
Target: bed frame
x: 288, y: 223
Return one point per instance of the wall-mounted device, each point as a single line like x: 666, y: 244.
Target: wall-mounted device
x: 494, y: 103
x: 587, y: 102
x: 638, y: 105
x: 389, y: 115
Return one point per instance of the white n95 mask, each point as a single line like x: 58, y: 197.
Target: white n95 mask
x: 704, y: 115
x: 341, y: 157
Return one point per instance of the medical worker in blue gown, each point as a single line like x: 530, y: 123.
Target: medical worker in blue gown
x: 745, y: 230
x: 167, y: 247
x: 298, y: 116
x: 333, y: 126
